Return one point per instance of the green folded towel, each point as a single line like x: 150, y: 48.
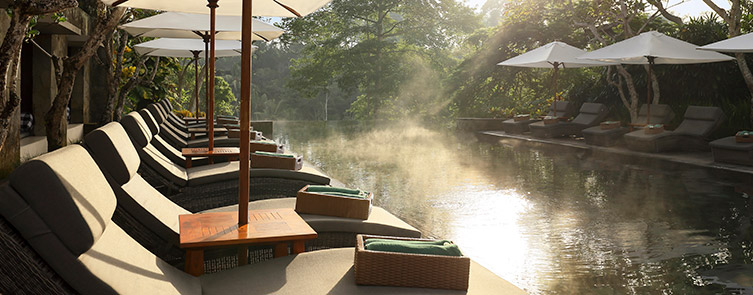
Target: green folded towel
x: 343, y: 195
x: 744, y: 133
x: 447, y: 249
x: 434, y: 242
x: 274, y: 154
x: 328, y: 189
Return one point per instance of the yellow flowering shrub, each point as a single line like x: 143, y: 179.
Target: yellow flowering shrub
x: 128, y: 72
x: 183, y: 113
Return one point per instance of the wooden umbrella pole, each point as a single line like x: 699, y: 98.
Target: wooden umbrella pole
x: 206, y: 78
x: 246, y: 47
x: 196, y: 84
x: 649, y: 87
x: 210, y: 111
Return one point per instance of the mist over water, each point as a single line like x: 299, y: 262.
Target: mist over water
x: 548, y: 220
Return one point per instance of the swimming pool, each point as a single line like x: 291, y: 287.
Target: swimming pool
x: 551, y: 221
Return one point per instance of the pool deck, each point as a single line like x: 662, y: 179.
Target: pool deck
x: 698, y: 159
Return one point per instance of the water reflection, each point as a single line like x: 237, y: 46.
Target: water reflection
x: 550, y: 221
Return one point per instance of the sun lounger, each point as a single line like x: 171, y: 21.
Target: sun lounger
x: 153, y: 217
x: 179, y: 139
x: 67, y: 224
x: 728, y: 150
x: 590, y: 114
x: 192, y: 187
x: 175, y: 155
x: 564, y: 109
x: 178, y: 121
x: 660, y: 114
x: 692, y: 134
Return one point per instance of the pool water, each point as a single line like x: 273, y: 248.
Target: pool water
x: 549, y: 220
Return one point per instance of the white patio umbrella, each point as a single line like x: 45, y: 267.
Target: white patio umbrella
x: 653, y: 48
x: 192, y: 25
x: 245, y: 8
x: 281, y: 8
x: 175, y: 47
x: 552, y: 56
x: 742, y: 43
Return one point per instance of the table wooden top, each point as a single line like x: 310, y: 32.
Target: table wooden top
x: 204, y: 130
x: 204, y: 152
x: 194, y: 118
x: 221, y: 228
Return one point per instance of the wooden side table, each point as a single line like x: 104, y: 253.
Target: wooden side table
x: 272, y: 226
x: 194, y: 131
x: 232, y: 153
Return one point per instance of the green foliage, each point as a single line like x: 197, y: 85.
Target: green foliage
x: 368, y: 49
x: 225, y: 102
x: 480, y: 88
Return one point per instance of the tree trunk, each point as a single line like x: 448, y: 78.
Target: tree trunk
x: 10, y: 51
x: 326, y: 101
x: 654, y: 86
x: 182, y: 84
x: 55, y: 121
x: 132, y: 83
x: 748, y: 76
x: 113, y: 80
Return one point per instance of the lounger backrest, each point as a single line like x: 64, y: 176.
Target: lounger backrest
x: 156, y: 113
x: 700, y: 121
x: 137, y: 129
x: 660, y: 114
x: 61, y: 203
x: 591, y: 114
x: 170, y: 122
x: 166, y: 103
x: 114, y: 152
x: 150, y: 122
x: 168, y: 130
x: 134, y: 194
x: 68, y: 222
x: 564, y: 109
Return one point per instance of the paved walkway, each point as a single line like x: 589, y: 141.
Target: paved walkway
x: 699, y: 159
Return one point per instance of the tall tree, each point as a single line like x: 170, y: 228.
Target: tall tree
x: 105, y: 21
x: 611, y: 21
x: 734, y: 20
x: 21, y: 13
x: 367, y: 46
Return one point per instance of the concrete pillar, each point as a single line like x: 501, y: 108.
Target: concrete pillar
x: 45, y: 86
x: 98, y: 94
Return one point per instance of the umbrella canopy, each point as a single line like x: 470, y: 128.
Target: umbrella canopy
x: 743, y: 43
x: 185, y: 25
x: 662, y: 48
x: 652, y: 48
x: 552, y: 55
x: 175, y: 47
x: 281, y: 8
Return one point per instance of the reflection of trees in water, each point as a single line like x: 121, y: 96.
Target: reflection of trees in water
x: 625, y: 225
x: 598, y: 226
